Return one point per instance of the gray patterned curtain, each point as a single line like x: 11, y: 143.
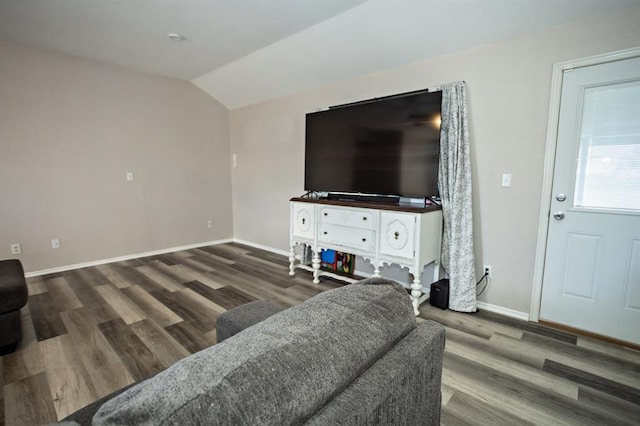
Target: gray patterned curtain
x: 455, y: 191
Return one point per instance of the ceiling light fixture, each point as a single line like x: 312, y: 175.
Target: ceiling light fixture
x: 176, y: 37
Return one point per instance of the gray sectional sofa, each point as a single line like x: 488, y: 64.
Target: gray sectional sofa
x: 352, y: 355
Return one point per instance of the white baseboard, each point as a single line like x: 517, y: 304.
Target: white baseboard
x: 122, y: 258
x: 504, y: 311
x: 261, y: 247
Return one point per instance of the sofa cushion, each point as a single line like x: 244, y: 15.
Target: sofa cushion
x: 280, y: 371
x: 235, y: 320
x: 402, y: 388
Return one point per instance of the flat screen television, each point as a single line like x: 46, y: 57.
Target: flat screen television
x: 386, y: 146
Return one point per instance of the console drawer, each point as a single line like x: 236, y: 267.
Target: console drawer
x: 362, y: 239
x: 354, y: 218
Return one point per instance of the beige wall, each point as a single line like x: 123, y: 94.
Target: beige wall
x: 69, y: 131
x: 509, y: 84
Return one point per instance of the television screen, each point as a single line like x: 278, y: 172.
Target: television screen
x: 386, y: 146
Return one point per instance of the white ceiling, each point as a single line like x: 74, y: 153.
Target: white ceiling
x: 246, y: 51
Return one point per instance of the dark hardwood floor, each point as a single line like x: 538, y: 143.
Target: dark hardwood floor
x: 91, y: 331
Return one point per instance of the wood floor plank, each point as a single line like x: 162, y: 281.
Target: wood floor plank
x: 470, y: 323
x: 45, y: 317
x: 602, y: 384
x: 85, y: 292
x: 165, y: 281
x: 28, y: 402
x: 229, y: 251
x: 531, y: 327
x: 258, y: 287
x: 136, y: 356
x: 91, y: 298
x: 111, y: 271
x: 619, y: 352
x: 151, y: 306
x: 108, y: 373
x: 620, y: 412
x: 36, y: 285
x: 167, y: 259
x: 261, y: 290
x: 28, y: 330
x: 516, y: 349
x: 126, y: 309
x: 201, y: 289
x: 277, y: 267
x: 203, y: 252
x: 464, y: 409
x: 481, y: 352
x: 169, y: 271
x: 230, y: 297
x: 184, y: 307
x: 532, y: 403
x: 279, y: 277
x: 191, y: 274
x: 92, y: 277
x: 23, y: 363
x: 447, y: 393
x: 190, y: 337
x: 134, y: 276
x: 62, y: 296
x: 69, y: 381
x: 206, y: 306
x: 208, y: 263
x: 167, y: 349
x: 269, y: 257
x: 623, y: 372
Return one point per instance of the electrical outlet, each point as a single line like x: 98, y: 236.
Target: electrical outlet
x: 55, y: 243
x: 210, y: 224
x: 487, y: 270
x: 129, y: 176
x: 16, y: 249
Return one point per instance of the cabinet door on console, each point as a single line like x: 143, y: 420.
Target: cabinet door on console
x: 397, y: 231
x: 302, y: 220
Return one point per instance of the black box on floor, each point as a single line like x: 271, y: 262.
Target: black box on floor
x: 439, y: 295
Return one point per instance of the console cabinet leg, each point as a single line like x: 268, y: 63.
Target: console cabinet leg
x: 292, y: 259
x: 376, y: 270
x: 416, y: 292
x: 316, y: 267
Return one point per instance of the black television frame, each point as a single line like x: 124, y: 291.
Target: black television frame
x: 399, y: 141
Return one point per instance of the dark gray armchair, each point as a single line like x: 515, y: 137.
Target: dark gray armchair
x: 13, y: 296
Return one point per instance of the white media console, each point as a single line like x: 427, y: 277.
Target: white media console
x: 407, y: 236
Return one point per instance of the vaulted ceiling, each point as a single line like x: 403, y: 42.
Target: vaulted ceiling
x: 247, y: 51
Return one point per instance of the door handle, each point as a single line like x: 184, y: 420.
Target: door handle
x: 558, y: 215
x: 561, y: 197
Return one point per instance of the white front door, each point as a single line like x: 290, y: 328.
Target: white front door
x: 592, y: 267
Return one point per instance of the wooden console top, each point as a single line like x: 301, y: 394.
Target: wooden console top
x: 412, y: 208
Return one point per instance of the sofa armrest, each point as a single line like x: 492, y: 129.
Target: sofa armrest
x: 244, y: 316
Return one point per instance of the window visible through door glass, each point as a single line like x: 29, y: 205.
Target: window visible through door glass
x: 608, y: 172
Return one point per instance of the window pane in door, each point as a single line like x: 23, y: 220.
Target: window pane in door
x: 608, y: 172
